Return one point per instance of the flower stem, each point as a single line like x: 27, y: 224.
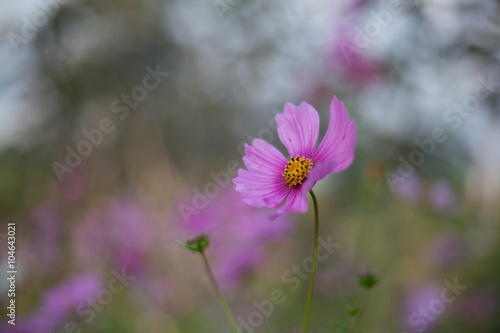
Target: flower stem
x: 360, y: 314
x: 222, y: 300
x: 315, y: 261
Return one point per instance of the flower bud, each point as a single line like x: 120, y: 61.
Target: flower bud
x: 352, y: 308
x: 368, y: 278
x: 198, y: 243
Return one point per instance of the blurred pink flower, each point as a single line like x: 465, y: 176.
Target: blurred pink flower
x: 64, y: 298
x: 351, y: 62
x: 58, y: 304
x: 438, y: 195
x: 270, y: 179
x: 122, y: 232
x: 48, y: 222
x: 446, y: 250
x: 417, y: 316
x: 238, y: 233
x: 441, y: 195
x: 131, y: 233
x: 344, y: 54
x: 409, y: 189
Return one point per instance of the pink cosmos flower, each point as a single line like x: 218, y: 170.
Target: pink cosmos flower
x: 270, y: 179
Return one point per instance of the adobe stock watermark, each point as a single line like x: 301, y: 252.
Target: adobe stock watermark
x: 372, y: 29
x: 453, y: 116
x: 45, y: 11
x: 120, y: 106
x: 293, y: 278
x: 221, y: 179
x: 222, y: 7
x: 104, y: 297
x: 420, y: 320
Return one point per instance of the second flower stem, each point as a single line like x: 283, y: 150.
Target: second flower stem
x: 360, y: 314
x: 315, y: 260
x: 222, y: 300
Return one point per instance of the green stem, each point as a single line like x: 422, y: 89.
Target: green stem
x: 222, y: 300
x: 315, y: 261
x: 360, y: 314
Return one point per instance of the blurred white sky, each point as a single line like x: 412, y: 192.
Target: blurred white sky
x: 16, y: 112
x: 296, y: 47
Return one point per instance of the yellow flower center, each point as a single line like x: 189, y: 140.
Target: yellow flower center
x: 296, y: 170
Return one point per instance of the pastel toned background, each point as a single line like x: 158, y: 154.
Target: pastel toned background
x: 122, y: 122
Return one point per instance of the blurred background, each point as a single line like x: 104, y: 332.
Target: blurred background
x: 122, y: 122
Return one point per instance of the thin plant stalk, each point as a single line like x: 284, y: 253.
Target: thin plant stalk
x: 360, y: 314
x: 222, y: 300
x: 315, y: 261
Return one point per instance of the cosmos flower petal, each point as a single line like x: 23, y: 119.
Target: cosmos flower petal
x: 260, y: 194
x: 262, y: 185
x: 264, y: 157
x: 276, y: 198
x: 298, y: 129
x: 339, y: 141
x: 317, y: 173
x: 251, y: 180
x: 296, y: 202
x: 344, y: 154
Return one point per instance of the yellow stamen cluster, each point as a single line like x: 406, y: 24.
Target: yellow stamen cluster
x: 296, y: 170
